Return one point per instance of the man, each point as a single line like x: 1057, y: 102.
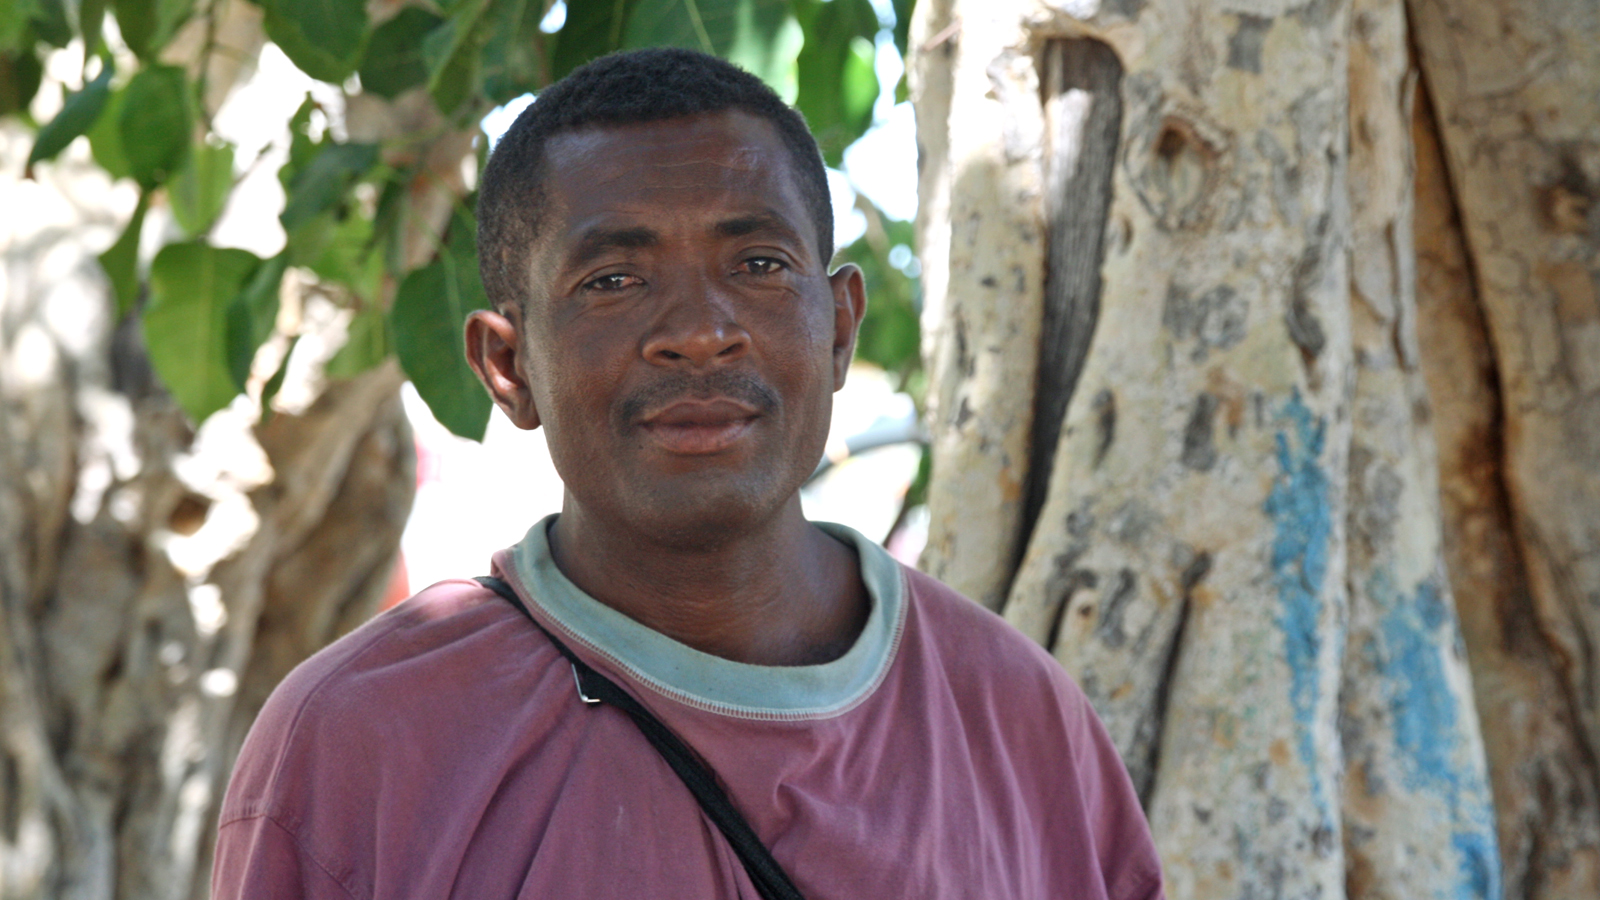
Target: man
x: 655, y: 233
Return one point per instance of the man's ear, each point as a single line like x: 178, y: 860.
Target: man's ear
x: 849, y: 305
x: 494, y: 343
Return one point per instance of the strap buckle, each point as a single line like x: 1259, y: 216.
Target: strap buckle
x: 578, y: 681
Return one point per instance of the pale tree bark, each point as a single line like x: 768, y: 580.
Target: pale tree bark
x: 156, y: 581
x: 1508, y: 256
x: 143, y: 566
x: 1197, y: 412
x: 1418, y: 815
x: 1542, y: 769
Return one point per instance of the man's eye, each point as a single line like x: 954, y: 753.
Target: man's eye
x: 763, y: 265
x: 613, y: 282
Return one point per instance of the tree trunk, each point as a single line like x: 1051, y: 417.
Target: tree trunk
x: 1187, y: 445
x: 1508, y: 156
x: 156, y: 582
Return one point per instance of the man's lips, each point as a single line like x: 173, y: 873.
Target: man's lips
x: 699, y: 426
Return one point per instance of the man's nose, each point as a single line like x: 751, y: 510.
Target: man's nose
x: 697, y: 326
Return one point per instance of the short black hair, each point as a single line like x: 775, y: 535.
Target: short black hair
x: 624, y: 88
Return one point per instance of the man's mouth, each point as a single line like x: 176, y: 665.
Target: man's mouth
x: 697, y: 426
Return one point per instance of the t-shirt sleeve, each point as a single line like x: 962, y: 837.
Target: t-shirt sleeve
x: 259, y: 859
x: 1123, y: 844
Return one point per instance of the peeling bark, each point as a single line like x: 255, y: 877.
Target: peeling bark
x: 1513, y: 87
x: 157, y: 581
x: 145, y: 568
x: 1082, y: 85
x: 985, y: 298
x: 1186, y: 561
x: 1417, y: 807
x: 1543, y: 774
x: 1240, y: 550
x: 1518, y: 132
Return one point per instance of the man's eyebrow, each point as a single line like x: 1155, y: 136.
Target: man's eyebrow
x: 597, y: 241
x: 755, y: 223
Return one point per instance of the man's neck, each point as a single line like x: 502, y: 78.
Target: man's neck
x: 780, y: 594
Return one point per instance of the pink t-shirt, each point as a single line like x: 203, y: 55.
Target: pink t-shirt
x: 441, y: 750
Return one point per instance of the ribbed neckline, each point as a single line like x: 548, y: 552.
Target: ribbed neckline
x: 711, y: 682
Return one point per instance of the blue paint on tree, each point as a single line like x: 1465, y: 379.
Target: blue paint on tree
x: 1479, y: 855
x: 1303, y: 528
x: 1422, y: 707
x: 1427, y: 730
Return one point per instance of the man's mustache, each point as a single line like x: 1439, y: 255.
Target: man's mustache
x: 740, y: 386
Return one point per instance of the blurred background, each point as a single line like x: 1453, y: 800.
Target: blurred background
x: 1244, y: 355
x: 238, y: 249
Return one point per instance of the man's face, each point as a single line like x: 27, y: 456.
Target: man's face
x: 682, y: 340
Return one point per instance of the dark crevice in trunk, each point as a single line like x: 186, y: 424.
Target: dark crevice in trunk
x: 1149, y: 745
x: 1081, y: 82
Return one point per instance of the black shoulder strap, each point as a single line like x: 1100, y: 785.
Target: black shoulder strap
x: 593, y: 687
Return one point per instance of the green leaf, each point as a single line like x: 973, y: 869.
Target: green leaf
x: 858, y: 87
x: 170, y: 16
x: 834, y: 76
x: 136, y: 20
x: 393, y: 62
x: 713, y: 26
x: 345, y: 255
x: 200, y: 189
x: 91, y: 22
x: 105, y: 138
x: 302, y: 149
x: 275, y: 383
x: 50, y: 22
x: 366, y: 344
x: 324, y: 181
x: 20, y: 76
x: 428, y: 318
x: 16, y: 33
x: 511, y: 60
x: 592, y: 29
x: 155, y: 121
x: 891, y: 333
x: 252, y: 315
x: 77, y: 114
x: 451, y: 53
x: 192, y: 286
x: 388, y: 220
x: 902, y: 25
x: 771, y: 56
x: 148, y: 25
x: 121, y: 261
x: 323, y: 37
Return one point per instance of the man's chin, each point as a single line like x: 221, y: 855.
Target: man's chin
x: 706, y: 516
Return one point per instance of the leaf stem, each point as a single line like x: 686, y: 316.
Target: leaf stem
x: 699, y: 25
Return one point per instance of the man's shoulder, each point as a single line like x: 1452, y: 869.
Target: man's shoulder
x: 444, y: 619
x: 965, y: 626
x: 981, y: 651
x: 373, y: 689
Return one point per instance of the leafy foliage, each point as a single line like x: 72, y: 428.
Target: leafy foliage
x: 837, y: 82
x: 77, y: 114
x: 323, y: 37
x: 205, y: 310
x: 192, y: 286
x: 393, y: 62
x: 891, y: 331
x: 200, y: 189
x: 429, y: 311
x: 154, y: 120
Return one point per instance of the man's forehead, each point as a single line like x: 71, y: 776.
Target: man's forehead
x: 732, y: 140
x: 721, y: 166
